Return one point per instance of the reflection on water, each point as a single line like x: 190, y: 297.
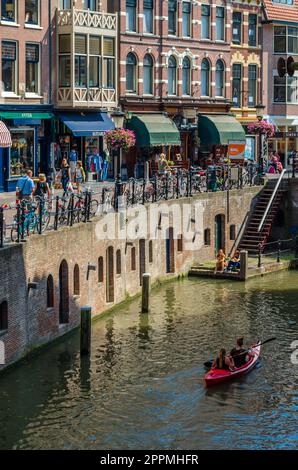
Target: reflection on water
x: 143, y: 388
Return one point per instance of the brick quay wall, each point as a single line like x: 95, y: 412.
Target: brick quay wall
x: 100, y: 263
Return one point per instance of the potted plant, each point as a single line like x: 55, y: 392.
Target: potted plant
x: 122, y: 139
x: 262, y: 127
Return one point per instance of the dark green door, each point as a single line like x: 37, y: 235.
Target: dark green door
x: 219, y: 243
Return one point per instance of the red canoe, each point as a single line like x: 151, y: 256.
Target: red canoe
x: 218, y: 376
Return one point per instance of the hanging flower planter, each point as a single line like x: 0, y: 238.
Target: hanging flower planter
x: 120, y: 139
x: 262, y: 127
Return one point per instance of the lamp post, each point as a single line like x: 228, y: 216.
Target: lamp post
x: 118, y: 118
x: 260, y: 109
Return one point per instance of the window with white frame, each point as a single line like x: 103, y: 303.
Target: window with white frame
x: 186, y: 76
x: 9, y: 10
x: 172, y: 17
x: 131, y: 73
x: 186, y: 19
x: 32, y: 68
x: 237, y: 85
x: 286, y: 89
x: 64, y: 61
x: 205, y: 78
x: 148, y: 75
x: 220, y: 24
x: 148, y: 16
x: 237, y: 27
x: 219, y: 78
x: 252, y: 85
x: 172, y: 76
x: 9, y: 66
x: 131, y: 15
x: 32, y: 12
x: 205, y: 26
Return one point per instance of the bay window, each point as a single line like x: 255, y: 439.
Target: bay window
x: 94, y: 61
x: 64, y: 60
x: 109, y: 63
x: 32, y: 12
x: 32, y: 68
x: 148, y: 16
x: 9, y: 66
x: 81, y: 60
x: 8, y: 10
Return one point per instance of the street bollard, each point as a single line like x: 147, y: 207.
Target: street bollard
x: 146, y: 288
x: 86, y: 313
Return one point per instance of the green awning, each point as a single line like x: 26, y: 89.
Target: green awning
x: 24, y: 115
x: 153, y: 130
x: 219, y: 129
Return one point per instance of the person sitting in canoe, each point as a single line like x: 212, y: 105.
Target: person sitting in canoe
x: 223, y: 361
x: 237, y: 354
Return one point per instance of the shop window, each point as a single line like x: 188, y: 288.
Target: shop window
x: 220, y: 24
x: 219, y: 78
x: 133, y: 259
x: 76, y: 280
x: 32, y: 11
x: 237, y: 85
x: 100, y: 270
x: 252, y: 29
x: 252, y: 85
x: 172, y: 76
x: 151, y: 251
x: 232, y: 232
x: 118, y: 262
x: 172, y: 17
x: 205, y: 78
x: 131, y: 15
x: 148, y: 75
x: 50, y: 292
x: 131, y: 73
x: 186, y: 76
x: 186, y: 19
x: 237, y: 27
x: 4, y: 316
x: 8, y: 10
x: 109, y: 63
x: 205, y: 26
x: 22, y: 151
x: 9, y: 66
x: 207, y: 237
x: 32, y: 68
x: 180, y: 244
x: 148, y: 16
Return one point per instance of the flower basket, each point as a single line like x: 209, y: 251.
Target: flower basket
x: 120, y: 139
x: 262, y: 127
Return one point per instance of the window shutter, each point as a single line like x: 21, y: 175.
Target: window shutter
x: 108, y: 47
x: 64, y: 43
x: 32, y: 53
x: 80, y: 44
x: 94, y: 45
x: 9, y: 50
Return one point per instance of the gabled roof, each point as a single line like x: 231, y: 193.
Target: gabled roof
x: 281, y: 12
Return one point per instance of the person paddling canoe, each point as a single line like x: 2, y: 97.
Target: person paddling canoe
x: 238, y: 355
x: 223, y: 361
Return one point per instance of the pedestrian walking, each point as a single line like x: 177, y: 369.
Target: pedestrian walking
x: 73, y: 158
x: 42, y: 188
x: 80, y: 176
x: 25, y: 187
x: 65, y: 175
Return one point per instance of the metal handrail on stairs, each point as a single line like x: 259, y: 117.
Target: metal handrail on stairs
x: 272, y: 199
x: 240, y: 233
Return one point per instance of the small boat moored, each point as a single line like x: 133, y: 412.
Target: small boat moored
x: 218, y: 376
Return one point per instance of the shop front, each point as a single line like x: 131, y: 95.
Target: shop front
x: 155, y: 133
x: 215, y: 133
x: 285, y: 142
x: 84, y: 133
x: 30, y: 135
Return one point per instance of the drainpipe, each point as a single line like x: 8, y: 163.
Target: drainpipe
x: 50, y: 51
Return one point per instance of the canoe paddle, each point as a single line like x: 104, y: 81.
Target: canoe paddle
x: 208, y: 364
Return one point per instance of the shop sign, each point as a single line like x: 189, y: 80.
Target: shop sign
x: 284, y: 135
x: 236, y: 149
x: 97, y: 134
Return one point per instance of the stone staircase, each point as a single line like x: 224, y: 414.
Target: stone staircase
x: 252, y: 238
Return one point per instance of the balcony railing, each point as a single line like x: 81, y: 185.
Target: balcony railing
x: 87, y: 19
x: 93, y: 97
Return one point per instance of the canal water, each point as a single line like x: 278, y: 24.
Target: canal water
x: 143, y: 386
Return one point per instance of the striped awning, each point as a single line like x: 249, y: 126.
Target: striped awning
x: 5, y: 137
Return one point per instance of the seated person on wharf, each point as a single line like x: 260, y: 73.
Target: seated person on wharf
x: 234, y: 263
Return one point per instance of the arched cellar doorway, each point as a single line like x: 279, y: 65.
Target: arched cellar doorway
x: 170, y: 251
x: 110, y: 281
x: 63, y: 293
x: 220, y: 233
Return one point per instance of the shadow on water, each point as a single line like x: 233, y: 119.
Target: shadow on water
x: 143, y: 385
